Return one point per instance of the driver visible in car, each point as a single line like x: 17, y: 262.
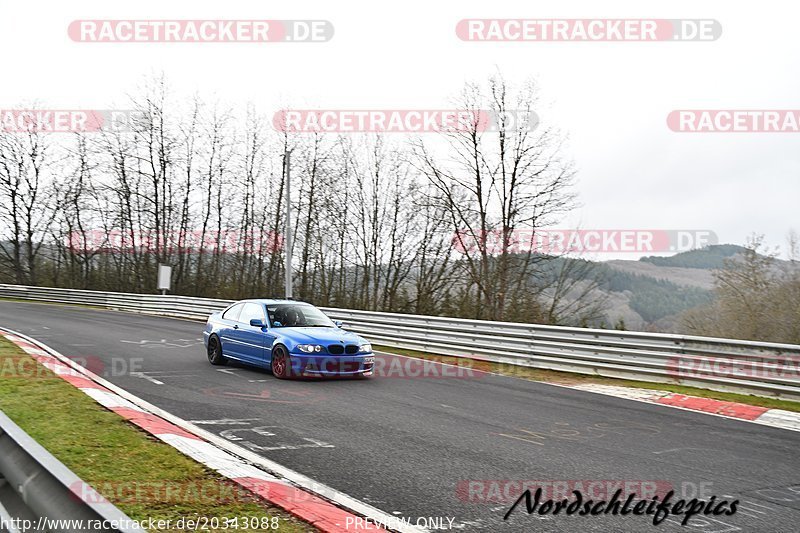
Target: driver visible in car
x: 291, y: 317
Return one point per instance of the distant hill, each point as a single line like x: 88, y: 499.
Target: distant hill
x: 650, y: 294
x: 652, y: 298
x: 701, y: 278
x: 709, y: 257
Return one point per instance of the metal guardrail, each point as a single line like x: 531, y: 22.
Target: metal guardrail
x: 760, y: 368
x: 38, y: 492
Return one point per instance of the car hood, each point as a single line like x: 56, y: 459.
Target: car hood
x: 321, y: 335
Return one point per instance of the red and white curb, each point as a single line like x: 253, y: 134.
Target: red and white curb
x: 760, y: 415
x: 325, y: 508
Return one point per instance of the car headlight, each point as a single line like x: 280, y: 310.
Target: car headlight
x: 365, y: 348
x: 309, y: 348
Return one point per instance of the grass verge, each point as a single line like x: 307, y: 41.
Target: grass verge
x: 142, y: 476
x: 568, y: 378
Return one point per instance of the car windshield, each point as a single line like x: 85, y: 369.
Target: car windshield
x: 297, y: 316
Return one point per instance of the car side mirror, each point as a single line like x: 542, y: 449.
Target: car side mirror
x: 338, y: 323
x: 258, y: 323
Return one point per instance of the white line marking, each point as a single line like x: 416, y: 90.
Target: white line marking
x: 163, y: 342
x: 211, y: 456
x: 230, y: 434
x: 166, y: 374
x: 145, y: 376
x: 319, y: 443
x: 262, y: 430
x: 225, y: 422
x: 314, y: 444
x: 677, y: 450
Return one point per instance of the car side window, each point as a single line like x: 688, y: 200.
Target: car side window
x: 275, y: 316
x: 233, y: 312
x: 250, y: 311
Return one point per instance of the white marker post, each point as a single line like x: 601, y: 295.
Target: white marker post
x: 164, y: 277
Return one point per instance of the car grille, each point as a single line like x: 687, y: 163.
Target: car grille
x: 338, y: 349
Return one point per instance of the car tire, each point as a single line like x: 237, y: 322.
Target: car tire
x: 215, y: 356
x: 281, y: 363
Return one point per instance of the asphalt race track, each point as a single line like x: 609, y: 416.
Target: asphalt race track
x: 410, y: 446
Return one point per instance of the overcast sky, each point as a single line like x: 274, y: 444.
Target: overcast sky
x: 611, y: 98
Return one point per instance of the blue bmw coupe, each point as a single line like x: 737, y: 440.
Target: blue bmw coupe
x: 290, y: 338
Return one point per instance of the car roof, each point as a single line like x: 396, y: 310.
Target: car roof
x: 272, y: 301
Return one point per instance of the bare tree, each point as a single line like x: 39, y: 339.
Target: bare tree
x: 25, y: 206
x: 755, y: 297
x: 494, y: 184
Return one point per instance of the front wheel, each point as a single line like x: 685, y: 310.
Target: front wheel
x: 281, y: 363
x: 215, y: 356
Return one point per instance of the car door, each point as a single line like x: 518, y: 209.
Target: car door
x: 251, y: 339
x: 227, y: 333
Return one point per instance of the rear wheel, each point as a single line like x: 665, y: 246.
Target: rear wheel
x: 215, y: 356
x: 281, y: 363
